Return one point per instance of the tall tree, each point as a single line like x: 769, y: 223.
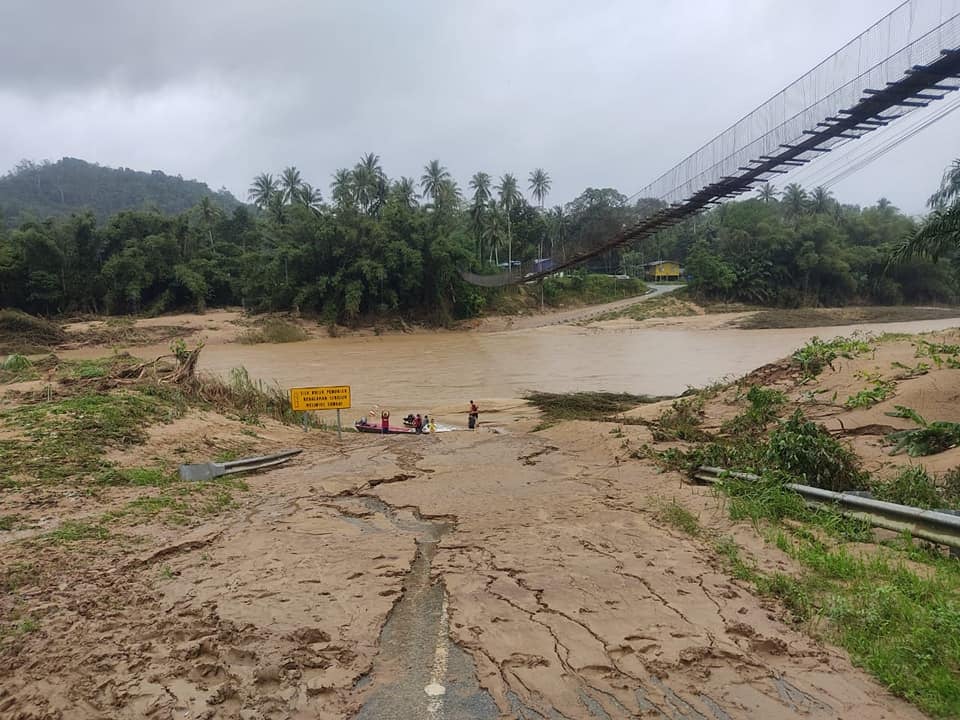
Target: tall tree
x: 510, y: 197
x: 309, y: 196
x: 768, y: 193
x: 432, y: 180
x: 949, y: 189
x: 370, y: 183
x: 406, y: 192
x: 795, y: 198
x: 939, y: 234
x: 539, y: 186
x: 558, y: 230
x: 209, y: 214
x: 342, y: 188
x: 263, y: 188
x: 821, y: 199
x: 290, y: 183
x: 480, y: 184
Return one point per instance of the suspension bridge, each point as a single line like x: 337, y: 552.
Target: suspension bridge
x: 876, y: 89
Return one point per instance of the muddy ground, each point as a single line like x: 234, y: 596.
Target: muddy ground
x: 487, y: 574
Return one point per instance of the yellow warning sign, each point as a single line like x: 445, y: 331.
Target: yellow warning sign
x: 330, y: 397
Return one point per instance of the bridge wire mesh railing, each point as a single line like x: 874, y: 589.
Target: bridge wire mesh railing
x: 909, y: 38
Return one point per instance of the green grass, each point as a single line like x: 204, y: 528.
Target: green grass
x: 677, y: 516
x: 66, y: 438
x: 672, y: 304
x: 181, y: 503
x: 914, y: 486
x: 581, y: 288
x: 901, y: 625
x: 76, y: 531
x: 8, y: 522
x: 136, y: 476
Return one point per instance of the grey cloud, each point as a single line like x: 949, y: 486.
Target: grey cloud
x: 602, y: 94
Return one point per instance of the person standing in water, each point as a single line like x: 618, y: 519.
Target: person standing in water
x: 474, y: 415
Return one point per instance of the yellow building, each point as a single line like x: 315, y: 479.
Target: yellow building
x: 663, y: 270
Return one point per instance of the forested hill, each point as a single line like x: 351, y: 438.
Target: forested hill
x: 68, y: 185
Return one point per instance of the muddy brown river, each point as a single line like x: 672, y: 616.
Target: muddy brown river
x: 434, y: 370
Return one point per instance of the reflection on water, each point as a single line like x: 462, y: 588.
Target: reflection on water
x: 427, y: 370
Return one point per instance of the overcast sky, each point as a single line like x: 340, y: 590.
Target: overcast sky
x: 605, y: 94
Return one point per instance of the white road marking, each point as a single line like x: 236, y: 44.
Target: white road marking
x: 435, y: 690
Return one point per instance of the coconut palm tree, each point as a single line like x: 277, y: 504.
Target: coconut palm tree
x: 510, y: 197
x: 494, y: 231
x: 370, y: 183
x: 209, y: 213
x: 938, y: 235
x: 342, y: 189
x: 949, y: 189
x: 309, y: 196
x: 290, y: 183
x: 263, y: 188
x: 480, y: 184
x: 405, y: 192
x: 449, y: 195
x: 539, y: 186
x: 432, y: 180
x: 768, y: 193
x: 940, y: 231
x: 821, y: 199
x: 795, y: 198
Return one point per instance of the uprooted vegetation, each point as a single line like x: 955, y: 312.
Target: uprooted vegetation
x: 929, y: 438
x: 817, y: 355
x: 594, y: 406
x: 23, y: 333
x: 273, y: 330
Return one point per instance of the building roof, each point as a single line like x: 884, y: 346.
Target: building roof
x: 661, y: 262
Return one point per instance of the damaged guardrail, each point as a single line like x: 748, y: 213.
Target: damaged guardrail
x: 936, y: 526
x: 210, y: 470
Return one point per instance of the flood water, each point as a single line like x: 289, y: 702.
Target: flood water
x: 434, y: 370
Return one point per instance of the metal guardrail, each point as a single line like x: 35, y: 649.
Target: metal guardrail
x: 937, y: 526
x: 210, y: 470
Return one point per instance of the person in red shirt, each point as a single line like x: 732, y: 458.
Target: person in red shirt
x: 385, y: 422
x: 418, y: 424
x: 474, y: 415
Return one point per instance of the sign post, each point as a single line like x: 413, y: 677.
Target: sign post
x: 327, y: 397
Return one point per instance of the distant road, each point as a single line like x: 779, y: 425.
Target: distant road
x: 565, y: 317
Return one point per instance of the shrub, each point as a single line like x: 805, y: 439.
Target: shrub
x: 765, y: 404
x: 911, y: 486
x: 803, y: 449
